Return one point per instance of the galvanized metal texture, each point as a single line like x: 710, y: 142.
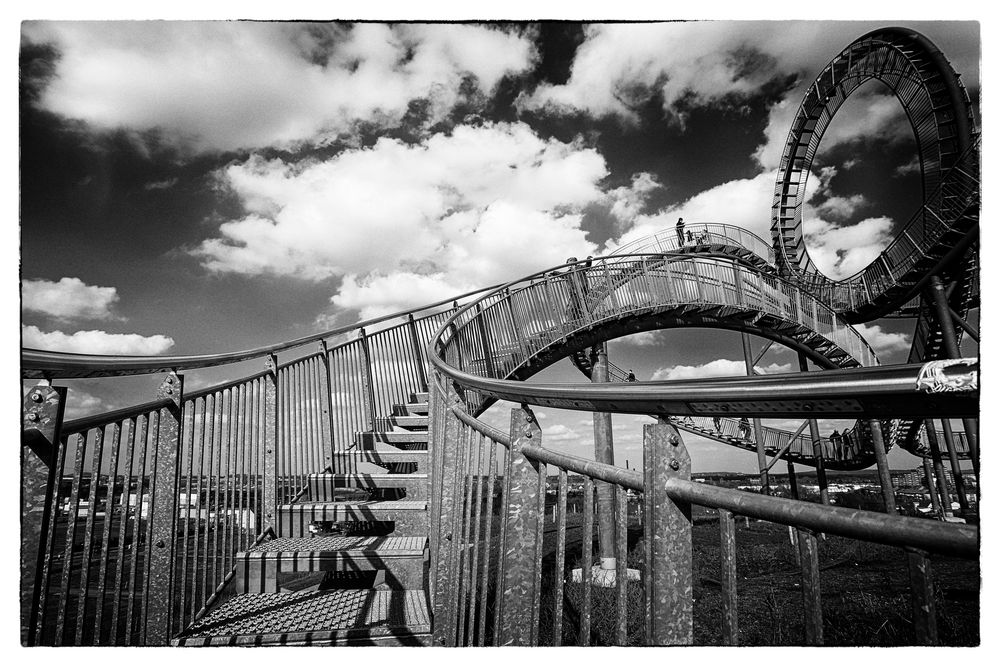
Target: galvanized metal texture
x: 163, y: 515
x: 922, y: 598
x: 521, y: 548
x: 727, y: 568
x: 42, y: 416
x: 812, y: 603
x: 668, y: 532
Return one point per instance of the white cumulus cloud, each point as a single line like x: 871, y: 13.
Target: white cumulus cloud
x: 840, y: 251
x: 883, y: 342
x: 405, y: 224
x: 68, y: 298
x: 223, y: 85
x: 715, y: 368
x: 94, y: 342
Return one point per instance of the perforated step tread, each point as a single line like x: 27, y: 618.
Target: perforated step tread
x: 313, y: 617
x: 391, y: 545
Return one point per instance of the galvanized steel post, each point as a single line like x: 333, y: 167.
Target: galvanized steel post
x: 325, y: 397
x: 765, y: 478
x: 812, y: 604
x: 604, y: 452
x: 668, y: 538
x: 444, y: 543
x: 269, y: 504
x: 42, y: 417
x: 163, y: 514
x: 956, y: 468
x: 817, y: 444
x: 521, y: 548
x: 931, y: 491
x: 882, y: 464
x: 367, y: 382
x: 922, y: 597
x: 943, y: 492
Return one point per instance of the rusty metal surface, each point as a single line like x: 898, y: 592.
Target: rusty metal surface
x: 812, y: 603
x: 922, y: 598
x: 42, y: 416
x: 727, y: 567
x: 163, y: 515
x: 668, y: 533
x: 521, y: 547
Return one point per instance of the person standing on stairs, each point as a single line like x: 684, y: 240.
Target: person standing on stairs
x: 744, y: 428
x: 680, y: 232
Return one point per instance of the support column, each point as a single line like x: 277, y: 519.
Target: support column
x: 824, y: 493
x: 956, y: 469
x: 758, y: 432
x: 950, y: 337
x: 42, y: 419
x: 938, y: 469
x: 604, y: 452
x: 793, y: 488
x: 931, y: 491
x: 882, y: 464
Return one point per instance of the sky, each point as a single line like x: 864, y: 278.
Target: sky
x: 195, y: 187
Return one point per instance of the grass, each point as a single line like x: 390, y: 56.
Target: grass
x: 865, y: 592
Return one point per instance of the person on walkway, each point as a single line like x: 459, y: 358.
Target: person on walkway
x: 630, y: 377
x: 838, y: 444
x: 680, y: 231
x: 717, y: 423
x: 744, y: 428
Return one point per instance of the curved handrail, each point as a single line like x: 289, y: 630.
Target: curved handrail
x: 702, y: 234
x: 46, y: 363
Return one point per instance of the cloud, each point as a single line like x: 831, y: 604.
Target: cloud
x: 68, y: 299
x: 715, y: 368
x: 743, y: 202
x: 883, y: 342
x: 841, y: 251
x: 225, y: 85
x: 641, y: 339
x: 94, y: 342
x: 404, y: 224
x: 82, y: 404
x: 620, y: 67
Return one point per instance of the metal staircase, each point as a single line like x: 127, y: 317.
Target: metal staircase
x: 348, y: 564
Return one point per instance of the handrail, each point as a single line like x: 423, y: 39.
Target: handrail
x: 50, y: 364
x: 703, y: 233
x: 483, y: 428
x: 950, y: 539
x: 878, y: 391
x: 91, y: 421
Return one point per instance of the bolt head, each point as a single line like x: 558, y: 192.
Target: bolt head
x: 169, y: 391
x: 160, y: 544
x: 675, y: 464
x: 170, y: 380
x: 673, y: 439
x: 32, y: 416
x: 36, y: 397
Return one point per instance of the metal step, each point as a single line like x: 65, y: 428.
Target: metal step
x: 395, y: 460
x: 420, y: 397
x: 417, y: 408
x: 402, y: 559
x: 409, y: 517
x: 398, y: 438
x: 322, y: 486
x: 315, y: 618
x: 413, y: 422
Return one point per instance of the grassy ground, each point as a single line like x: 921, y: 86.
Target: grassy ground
x: 865, y: 592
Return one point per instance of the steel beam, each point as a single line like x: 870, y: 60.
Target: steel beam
x: 604, y: 452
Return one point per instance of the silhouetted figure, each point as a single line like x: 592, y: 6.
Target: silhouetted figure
x: 680, y: 231
x: 689, y: 237
x: 717, y: 423
x: 744, y: 428
x: 630, y: 377
x: 838, y: 444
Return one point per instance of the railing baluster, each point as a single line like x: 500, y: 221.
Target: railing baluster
x: 727, y: 548
x: 560, y: 565
x: 86, y: 556
x: 621, y: 563
x: 586, y: 560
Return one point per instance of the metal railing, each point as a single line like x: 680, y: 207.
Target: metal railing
x: 516, y: 591
x: 694, y: 236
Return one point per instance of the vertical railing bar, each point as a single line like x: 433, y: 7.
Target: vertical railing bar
x: 473, y: 587
x: 46, y: 573
x: 207, y: 421
x: 81, y: 444
x: 621, y: 562
x: 143, y: 436
x: 586, y: 562
x: 308, y: 445
x: 456, y: 548
x: 153, y: 432
x: 239, y: 456
x: 193, y: 411
x: 123, y: 530
x: 218, y: 404
x: 501, y: 565
x: 730, y: 617
x: 233, y: 437
x: 88, y: 534
x: 466, y: 547
x: 560, y: 573
x: 481, y: 621
x: 106, y: 540
x: 225, y: 424
x: 539, y: 537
